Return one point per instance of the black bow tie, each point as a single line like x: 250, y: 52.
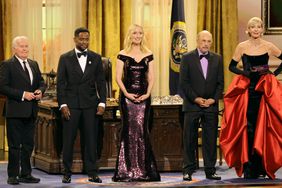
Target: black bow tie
x: 206, y: 56
x: 79, y: 54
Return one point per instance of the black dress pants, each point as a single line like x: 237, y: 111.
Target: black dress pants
x: 85, y: 119
x: 20, y: 135
x: 209, y: 123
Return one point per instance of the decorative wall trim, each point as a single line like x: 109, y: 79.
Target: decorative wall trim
x: 272, y: 16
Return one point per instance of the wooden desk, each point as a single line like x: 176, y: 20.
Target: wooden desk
x: 166, y: 136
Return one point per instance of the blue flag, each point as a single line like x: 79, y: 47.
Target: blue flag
x: 178, y: 44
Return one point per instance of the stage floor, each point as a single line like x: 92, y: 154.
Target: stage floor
x: 169, y: 179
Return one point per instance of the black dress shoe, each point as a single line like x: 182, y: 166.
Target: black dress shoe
x: 28, y: 179
x: 13, y: 181
x: 187, y: 177
x: 66, y: 179
x: 213, y: 176
x: 251, y: 176
x: 94, y: 179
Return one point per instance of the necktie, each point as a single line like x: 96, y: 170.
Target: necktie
x: 26, y: 70
x: 79, y: 54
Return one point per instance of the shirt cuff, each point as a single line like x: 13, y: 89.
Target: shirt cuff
x: 102, y: 104
x: 62, y: 106
x: 23, y: 96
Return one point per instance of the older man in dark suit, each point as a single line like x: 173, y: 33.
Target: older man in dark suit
x: 201, y: 80
x: 22, y: 83
x: 81, y: 91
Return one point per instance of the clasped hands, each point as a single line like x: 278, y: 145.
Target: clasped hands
x: 36, y: 95
x: 137, y: 98
x: 66, y: 112
x: 204, y: 102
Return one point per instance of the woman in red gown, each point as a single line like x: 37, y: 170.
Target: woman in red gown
x: 251, y: 134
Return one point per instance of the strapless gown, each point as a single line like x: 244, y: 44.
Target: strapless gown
x: 251, y: 134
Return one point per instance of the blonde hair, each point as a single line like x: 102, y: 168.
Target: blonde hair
x: 253, y: 21
x: 128, y: 40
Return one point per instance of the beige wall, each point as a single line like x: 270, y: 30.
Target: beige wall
x: 251, y: 8
x: 248, y: 9
x: 191, y: 7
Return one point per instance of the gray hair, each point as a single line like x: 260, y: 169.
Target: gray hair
x: 16, y: 39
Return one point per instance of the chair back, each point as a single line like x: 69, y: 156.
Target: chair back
x: 107, y: 66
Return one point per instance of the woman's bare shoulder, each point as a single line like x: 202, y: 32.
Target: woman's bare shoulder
x: 147, y: 53
x: 267, y: 43
x: 122, y: 52
x: 243, y: 44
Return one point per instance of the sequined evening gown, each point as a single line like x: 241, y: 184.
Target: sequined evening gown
x: 135, y: 161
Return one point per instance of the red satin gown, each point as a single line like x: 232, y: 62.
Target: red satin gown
x: 267, y: 140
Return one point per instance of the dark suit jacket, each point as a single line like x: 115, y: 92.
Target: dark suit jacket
x: 193, y: 83
x: 78, y: 89
x: 13, y: 82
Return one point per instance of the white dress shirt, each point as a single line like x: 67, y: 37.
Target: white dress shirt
x: 82, y: 59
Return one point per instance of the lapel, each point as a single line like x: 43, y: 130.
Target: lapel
x: 31, y: 67
x: 75, y: 63
x: 198, y: 63
x: 20, y: 69
x: 88, y: 65
x: 34, y: 71
x: 210, y: 67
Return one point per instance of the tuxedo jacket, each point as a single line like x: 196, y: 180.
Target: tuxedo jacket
x: 13, y: 83
x: 194, y: 84
x: 80, y: 89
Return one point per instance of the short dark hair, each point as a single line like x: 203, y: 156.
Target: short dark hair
x: 80, y: 30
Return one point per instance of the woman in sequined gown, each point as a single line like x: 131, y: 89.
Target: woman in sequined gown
x: 250, y: 136
x: 134, y: 76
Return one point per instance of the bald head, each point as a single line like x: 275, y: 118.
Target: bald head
x: 204, y: 33
x: 204, y: 41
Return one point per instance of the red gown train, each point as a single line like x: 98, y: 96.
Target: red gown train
x: 268, y: 133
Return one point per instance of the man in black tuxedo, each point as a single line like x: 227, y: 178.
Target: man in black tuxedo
x: 81, y: 92
x: 201, y: 80
x: 21, y: 82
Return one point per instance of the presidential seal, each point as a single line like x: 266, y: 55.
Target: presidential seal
x: 178, y: 45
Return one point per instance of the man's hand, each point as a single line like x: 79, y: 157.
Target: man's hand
x: 100, y: 110
x: 210, y: 102
x: 29, y: 96
x: 200, y: 101
x: 204, y: 102
x: 65, y: 112
x: 38, y: 94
